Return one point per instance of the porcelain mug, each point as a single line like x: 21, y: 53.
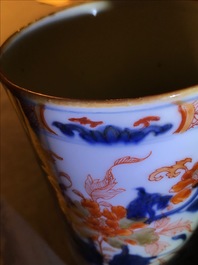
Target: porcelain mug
x: 108, y: 94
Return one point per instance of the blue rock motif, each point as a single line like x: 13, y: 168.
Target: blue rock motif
x: 145, y: 205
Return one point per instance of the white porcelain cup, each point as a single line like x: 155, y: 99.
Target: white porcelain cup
x: 108, y: 94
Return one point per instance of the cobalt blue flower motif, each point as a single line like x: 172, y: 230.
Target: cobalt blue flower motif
x: 124, y: 258
x: 110, y: 134
x: 146, y: 204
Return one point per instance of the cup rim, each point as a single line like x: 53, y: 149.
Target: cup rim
x: 164, y: 98
x: 155, y: 99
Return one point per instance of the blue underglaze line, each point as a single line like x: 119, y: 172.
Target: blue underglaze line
x: 160, y: 216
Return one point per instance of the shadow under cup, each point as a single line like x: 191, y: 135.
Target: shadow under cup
x: 125, y: 171
x: 113, y: 49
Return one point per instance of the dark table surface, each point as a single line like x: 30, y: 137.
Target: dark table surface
x: 32, y: 227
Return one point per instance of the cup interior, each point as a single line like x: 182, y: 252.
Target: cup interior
x: 107, y: 50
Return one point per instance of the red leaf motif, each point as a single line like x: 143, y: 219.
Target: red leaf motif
x: 161, y: 223
x: 174, y: 228
x: 88, y: 184
x: 102, y: 189
x: 156, y: 248
x: 105, y: 194
x: 53, y: 155
x: 125, y: 160
x: 78, y: 193
x: 67, y: 180
x: 129, y: 160
x: 105, y: 204
x: 109, y: 174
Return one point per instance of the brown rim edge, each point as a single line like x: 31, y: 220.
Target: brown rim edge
x: 173, y: 96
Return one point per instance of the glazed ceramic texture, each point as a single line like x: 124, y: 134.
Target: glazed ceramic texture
x: 126, y: 177
x: 124, y: 166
